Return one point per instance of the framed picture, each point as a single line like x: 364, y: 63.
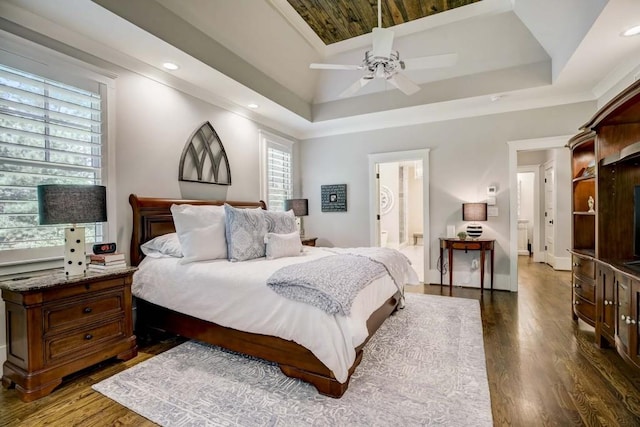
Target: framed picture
x: 334, y: 198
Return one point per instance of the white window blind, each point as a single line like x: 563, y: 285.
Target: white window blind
x: 276, y: 170
x: 279, y: 178
x: 50, y: 133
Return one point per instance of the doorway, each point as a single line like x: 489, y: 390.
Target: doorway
x: 399, y: 210
x: 531, y: 146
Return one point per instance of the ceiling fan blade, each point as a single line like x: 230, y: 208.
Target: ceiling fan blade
x: 404, y: 84
x: 434, y: 61
x: 382, y: 42
x: 335, y: 67
x: 359, y: 84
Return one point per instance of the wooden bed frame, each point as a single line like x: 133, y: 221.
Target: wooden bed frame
x: 151, y: 218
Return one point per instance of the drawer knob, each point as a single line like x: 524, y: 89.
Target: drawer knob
x: 628, y: 321
x: 577, y: 285
x: 622, y: 317
x: 87, y: 310
x: 606, y: 302
x: 576, y: 302
x: 88, y: 337
x: 576, y: 264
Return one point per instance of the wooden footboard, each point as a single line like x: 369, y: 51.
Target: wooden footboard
x: 293, y: 359
x: 151, y: 218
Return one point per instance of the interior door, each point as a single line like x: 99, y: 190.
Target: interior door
x: 549, y: 214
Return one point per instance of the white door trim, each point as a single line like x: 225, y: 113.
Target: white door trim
x: 401, y: 156
x: 515, y: 146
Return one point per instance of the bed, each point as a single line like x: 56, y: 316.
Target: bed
x: 152, y: 218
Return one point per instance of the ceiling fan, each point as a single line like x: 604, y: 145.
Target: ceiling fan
x: 384, y: 63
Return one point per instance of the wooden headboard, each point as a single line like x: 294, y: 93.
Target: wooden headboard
x: 152, y: 218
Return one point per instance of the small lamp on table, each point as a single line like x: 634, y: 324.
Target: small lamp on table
x: 72, y: 204
x: 300, y: 208
x: 474, y: 212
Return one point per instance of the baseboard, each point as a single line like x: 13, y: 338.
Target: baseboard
x: 3, y: 354
x: 562, y: 263
x: 501, y: 282
x: 523, y: 252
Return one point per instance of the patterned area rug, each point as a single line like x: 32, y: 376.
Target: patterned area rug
x: 424, y: 366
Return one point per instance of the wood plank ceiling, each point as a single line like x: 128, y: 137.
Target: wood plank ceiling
x: 337, y: 20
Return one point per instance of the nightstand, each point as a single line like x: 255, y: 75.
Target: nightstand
x: 309, y: 241
x: 57, y: 326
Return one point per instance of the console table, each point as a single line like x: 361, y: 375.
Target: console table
x: 451, y: 244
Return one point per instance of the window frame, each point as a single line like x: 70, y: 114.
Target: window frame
x: 36, y: 59
x: 269, y: 140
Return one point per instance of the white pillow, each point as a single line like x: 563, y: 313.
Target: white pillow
x: 201, y: 232
x: 163, y: 246
x: 282, y: 245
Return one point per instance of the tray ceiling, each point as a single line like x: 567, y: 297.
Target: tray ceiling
x: 338, y: 20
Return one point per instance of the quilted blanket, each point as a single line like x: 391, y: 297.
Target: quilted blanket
x: 332, y: 283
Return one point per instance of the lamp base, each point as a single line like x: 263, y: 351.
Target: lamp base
x: 75, y: 256
x: 474, y: 230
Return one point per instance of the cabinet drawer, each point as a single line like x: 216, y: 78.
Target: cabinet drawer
x: 59, y: 317
x: 584, y: 308
x: 585, y: 288
x: 83, y: 341
x: 584, y: 267
x: 471, y: 246
x: 83, y: 289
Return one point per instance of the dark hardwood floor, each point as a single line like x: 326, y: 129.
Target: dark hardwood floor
x: 543, y: 368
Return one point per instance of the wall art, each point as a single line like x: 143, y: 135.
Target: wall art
x: 204, y: 159
x: 334, y: 198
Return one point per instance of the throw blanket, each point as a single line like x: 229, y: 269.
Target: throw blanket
x: 332, y: 283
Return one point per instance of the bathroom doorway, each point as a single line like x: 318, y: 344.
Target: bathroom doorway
x: 399, y: 187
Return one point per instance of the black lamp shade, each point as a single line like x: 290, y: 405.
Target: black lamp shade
x: 474, y: 211
x: 71, y: 204
x: 300, y: 206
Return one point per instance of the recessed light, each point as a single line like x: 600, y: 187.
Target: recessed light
x: 170, y: 66
x: 253, y: 105
x: 495, y: 98
x: 633, y: 31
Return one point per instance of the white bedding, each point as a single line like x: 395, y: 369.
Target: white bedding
x: 235, y: 295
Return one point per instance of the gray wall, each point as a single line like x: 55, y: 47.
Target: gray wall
x: 153, y: 123
x: 467, y: 156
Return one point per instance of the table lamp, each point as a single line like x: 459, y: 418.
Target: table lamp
x: 300, y: 208
x: 72, y: 204
x: 474, y: 212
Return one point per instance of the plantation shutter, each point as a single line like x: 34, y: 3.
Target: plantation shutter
x: 279, y: 176
x: 50, y: 133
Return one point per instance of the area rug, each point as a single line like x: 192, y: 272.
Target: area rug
x: 424, y: 366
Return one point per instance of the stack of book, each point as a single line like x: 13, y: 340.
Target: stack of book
x: 106, y: 262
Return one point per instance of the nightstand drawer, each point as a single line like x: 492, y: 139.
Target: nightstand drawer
x: 83, y: 289
x: 83, y: 341
x: 60, y: 317
x: 471, y: 246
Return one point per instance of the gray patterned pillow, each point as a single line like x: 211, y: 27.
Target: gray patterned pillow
x: 280, y: 222
x: 245, y: 229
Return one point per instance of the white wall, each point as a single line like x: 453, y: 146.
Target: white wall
x: 467, y: 156
x: 153, y: 123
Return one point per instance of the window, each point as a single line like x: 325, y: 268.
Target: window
x: 276, y: 170
x: 50, y: 133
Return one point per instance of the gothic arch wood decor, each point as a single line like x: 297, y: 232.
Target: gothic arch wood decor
x: 204, y: 159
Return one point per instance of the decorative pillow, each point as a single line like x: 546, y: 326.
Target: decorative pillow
x: 280, y: 222
x: 163, y: 246
x: 282, y: 245
x: 245, y: 230
x: 201, y: 231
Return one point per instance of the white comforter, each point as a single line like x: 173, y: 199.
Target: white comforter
x: 235, y: 295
